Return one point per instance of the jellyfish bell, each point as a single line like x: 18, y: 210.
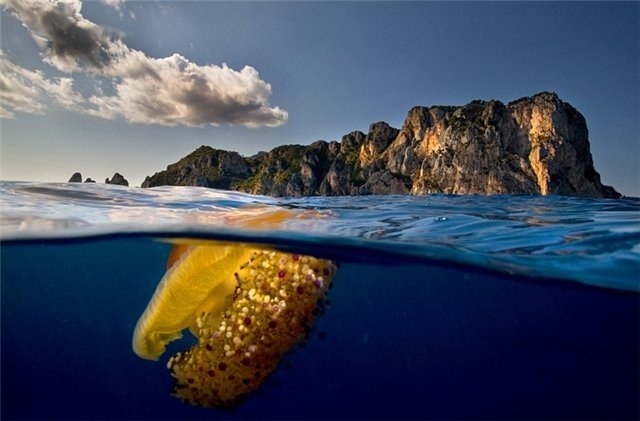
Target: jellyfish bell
x: 246, y: 305
x: 176, y: 253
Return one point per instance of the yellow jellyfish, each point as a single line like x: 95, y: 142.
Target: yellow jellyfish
x: 247, y: 306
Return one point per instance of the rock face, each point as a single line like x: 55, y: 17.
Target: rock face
x: 534, y: 145
x: 117, y: 179
x: 205, y: 167
x: 75, y: 178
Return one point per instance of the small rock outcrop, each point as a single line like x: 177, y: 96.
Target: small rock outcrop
x: 76, y: 178
x: 117, y: 179
x: 89, y: 180
x: 534, y: 145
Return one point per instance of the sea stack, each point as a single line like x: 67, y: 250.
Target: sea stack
x: 76, y: 178
x: 117, y: 179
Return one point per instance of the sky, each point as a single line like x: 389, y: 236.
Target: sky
x: 132, y: 86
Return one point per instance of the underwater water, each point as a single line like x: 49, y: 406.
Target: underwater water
x: 447, y: 307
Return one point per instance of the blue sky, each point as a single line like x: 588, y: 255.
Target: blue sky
x: 116, y: 96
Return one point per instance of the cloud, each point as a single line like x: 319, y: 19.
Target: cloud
x: 167, y: 91
x: 116, y: 4
x: 66, y: 37
x: 29, y: 91
x: 185, y: 93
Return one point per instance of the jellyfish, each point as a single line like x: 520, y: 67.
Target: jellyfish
x: 247, y: 306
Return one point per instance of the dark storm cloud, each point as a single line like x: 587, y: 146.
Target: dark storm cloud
x: 69, y: 39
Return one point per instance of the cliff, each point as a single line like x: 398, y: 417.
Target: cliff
x: 534, y: 145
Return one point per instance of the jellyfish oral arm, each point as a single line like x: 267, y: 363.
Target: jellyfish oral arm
x: 202, y: 280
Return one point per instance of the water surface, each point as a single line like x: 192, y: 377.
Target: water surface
x: 443, y: 307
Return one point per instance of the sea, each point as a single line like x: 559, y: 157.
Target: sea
x: 442, y: 307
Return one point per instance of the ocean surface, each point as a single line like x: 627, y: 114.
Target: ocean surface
x: 443, y: 307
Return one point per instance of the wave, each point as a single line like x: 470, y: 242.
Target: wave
x: 590, y: 241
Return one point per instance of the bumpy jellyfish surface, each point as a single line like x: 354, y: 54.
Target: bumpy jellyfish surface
x: 260, y: 303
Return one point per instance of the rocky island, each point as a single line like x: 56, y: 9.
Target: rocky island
x: 116, y: 179
x: 533, y: 145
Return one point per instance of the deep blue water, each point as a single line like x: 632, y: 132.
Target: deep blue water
x: 443, y: 307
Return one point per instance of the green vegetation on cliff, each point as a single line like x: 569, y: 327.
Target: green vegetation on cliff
x: 535, y: 145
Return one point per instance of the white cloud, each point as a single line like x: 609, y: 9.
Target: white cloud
x: 167, y: 91
x: 186, y: 93
x: 116, y: 4
x: 18, y: 90
x: 29, y: 91
x: 6, y: 114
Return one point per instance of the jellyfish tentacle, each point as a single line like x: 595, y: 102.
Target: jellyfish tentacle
x: 273, y: 310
